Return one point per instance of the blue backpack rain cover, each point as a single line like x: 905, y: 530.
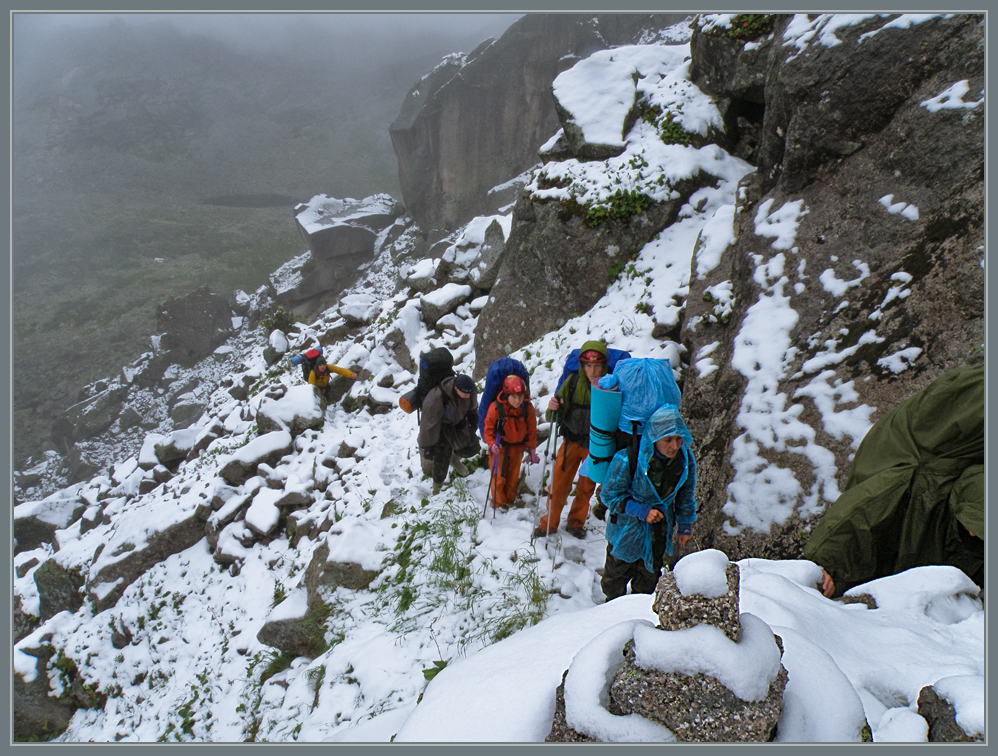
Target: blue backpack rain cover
x: 498, y: 371
x: 646, y: 384
x: 572, y: 363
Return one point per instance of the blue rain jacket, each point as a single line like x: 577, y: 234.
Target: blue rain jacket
x: 631, y: 500
x: 647, y: 384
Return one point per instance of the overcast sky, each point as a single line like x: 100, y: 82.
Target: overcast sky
x: 310, y: 34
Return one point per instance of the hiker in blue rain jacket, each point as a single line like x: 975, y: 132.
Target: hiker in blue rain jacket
x: 643, y: 509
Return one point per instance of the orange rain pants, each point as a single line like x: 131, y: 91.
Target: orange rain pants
x: 505, y: 481
x: 570, y: 456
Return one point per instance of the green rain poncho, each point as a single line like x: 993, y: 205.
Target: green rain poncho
x: 917, y: 476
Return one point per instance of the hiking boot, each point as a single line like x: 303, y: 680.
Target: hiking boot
x: 458, y: 468
x: 436, y: 488
x: 539, y: 532
x: 579, y: 533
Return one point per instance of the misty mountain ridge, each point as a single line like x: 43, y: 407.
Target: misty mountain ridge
x: 121, y: 134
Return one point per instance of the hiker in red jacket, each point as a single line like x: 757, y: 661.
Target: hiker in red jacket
x: 510, y: 430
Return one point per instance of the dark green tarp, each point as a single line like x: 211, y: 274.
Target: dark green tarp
x: 917, y: 476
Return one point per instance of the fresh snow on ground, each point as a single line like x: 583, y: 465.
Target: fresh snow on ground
x: 463, y: 595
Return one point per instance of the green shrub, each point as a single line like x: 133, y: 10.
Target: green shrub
x: 748, y: 26
x: 278, y: 319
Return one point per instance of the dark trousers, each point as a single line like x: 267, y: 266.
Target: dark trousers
x: 617, y: 573
x: 441, y: 453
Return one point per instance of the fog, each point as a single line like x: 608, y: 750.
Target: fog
x: 323, y: 37
x: 126, y: 128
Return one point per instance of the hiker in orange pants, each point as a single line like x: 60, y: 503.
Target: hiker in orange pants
x: 566, y: 464
x: 510, y: 430
x: 570, y: 408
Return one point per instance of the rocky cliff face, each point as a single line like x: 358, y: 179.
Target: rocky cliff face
x: 476, y: 121
x: 865, y: 215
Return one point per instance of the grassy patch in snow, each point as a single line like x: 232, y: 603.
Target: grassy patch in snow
x: 435, y: 569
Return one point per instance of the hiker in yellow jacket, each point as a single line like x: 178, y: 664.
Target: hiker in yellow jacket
x: 320, y: 376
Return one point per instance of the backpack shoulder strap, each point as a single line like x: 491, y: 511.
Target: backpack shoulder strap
x: 500, y: 419
x: 632, y: 448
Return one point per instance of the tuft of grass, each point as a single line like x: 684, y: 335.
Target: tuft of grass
x: 748, y: 26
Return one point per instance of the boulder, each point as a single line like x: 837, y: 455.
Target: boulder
x: 301, y: 408
x: 35, y: 522
x: 194, y: 325
x: 323, y: 573
x: 484, y: 275
x: 941, y: 718
x: 336, y: 227
x: 554, y: 267
x: 22, y: 624
x: 394, y: 342
x: 267, y: 448
x: 227, y: 512
x: 144, y: 536
x: 359, y: 309
x: 186, y: 411
x: 263, y: 514
x: 58, y: 589
x: 438, y: 303
x: 175, y: 446
x: 212, y: 431
x: 296, y: 627
x: 97, y: 414
x: 420, y: 276
x: 38, y: 716
x: 379, y: 400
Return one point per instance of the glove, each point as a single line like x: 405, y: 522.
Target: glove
x: 494, y: 449
x: 608, y: 381
x: 532, y: 457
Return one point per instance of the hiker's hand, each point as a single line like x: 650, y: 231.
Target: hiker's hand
x: 827, y: 584
x: 654, y: 516
x: 554, y: 404
x: 353, y: 375
x: 682, y: 540
x: 532, y: 457
x: 494, y: 449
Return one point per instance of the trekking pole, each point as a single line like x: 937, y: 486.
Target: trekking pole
x: 547, y: 453
x: 492, y: 476
x: 547, y: 534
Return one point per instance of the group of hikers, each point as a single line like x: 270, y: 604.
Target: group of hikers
x: 645, y: 490
x: 643, y: 503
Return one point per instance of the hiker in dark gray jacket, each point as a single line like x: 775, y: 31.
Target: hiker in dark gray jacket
x: 448, y: 427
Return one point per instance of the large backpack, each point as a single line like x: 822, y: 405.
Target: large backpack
x: 645, y: 384
x: 497, y: 373
x: 572, y: 364
x: 308, y: 360
x: 434, y: 366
